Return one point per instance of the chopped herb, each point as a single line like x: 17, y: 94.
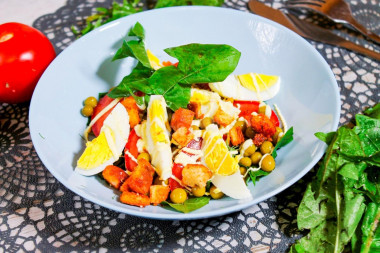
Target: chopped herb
x: 41, y: 136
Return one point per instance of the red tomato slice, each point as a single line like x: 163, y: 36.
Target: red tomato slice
x: 248, y: 107
x: 177, y: 172
x: 131, y: 147
x: 103, y: 102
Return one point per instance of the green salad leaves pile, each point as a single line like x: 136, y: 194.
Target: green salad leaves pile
x: 341, y: 206
x: 197, y: 63
x: 128, y: 7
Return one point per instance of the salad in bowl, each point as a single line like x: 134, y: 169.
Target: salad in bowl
x: 181, y: 133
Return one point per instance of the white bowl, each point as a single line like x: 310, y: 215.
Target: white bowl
x: 308, y: 99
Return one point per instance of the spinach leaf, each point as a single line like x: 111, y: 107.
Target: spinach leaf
x: 285, y: 140
x: 135, y: 47
x: 169, y: 3
x: 256, y: 175
x: 189, y: 205
x: 138, y: 79
x: 205, y: 63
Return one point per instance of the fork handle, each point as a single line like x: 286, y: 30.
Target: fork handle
x: 359, y: 27
x: 360, y: 49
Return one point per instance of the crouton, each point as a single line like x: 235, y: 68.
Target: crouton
x: 263, y: 125
x: 124, y: 187
x: 114, y: 175
x: 182, y: 118
x: 196, y: 175
x: 183, y: 136
x: 196, y: 108
x: 236, y: 136
x: 134, y: 199
x: 133, y: 111
x: 141, y: 178
x: 158, y: 193
x: 222, y: 118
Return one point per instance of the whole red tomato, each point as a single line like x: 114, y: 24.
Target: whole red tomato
x: 25, y: 53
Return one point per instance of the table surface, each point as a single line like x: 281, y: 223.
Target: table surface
x: 37, y: 213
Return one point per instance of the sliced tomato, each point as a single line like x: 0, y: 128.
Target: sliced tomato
x: 177, y: 172
x: 103, y: 102
x: 248, y: 107
x: 131, y: 147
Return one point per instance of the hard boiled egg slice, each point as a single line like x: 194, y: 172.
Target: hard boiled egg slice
x: 251, y: 86
x: 157, y: 136
x: 208, y: 101
x: 216, y: 155
x: 232, y: 185
x: 106, y: 149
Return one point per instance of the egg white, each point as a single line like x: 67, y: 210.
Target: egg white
x: 116, y: 129
x: 231, y: 88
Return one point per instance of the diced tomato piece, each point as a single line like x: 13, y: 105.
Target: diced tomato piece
x: 177, y: 172
x: 131, y: 147
x: 103, y: 102
x: 182, y: 118
x: 248, y: 107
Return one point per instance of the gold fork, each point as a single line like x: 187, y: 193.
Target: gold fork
x: 336, y: 10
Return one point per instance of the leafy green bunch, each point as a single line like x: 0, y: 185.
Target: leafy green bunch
x: 341, y: 207
x: 128, y: 7
x: 197, y: 63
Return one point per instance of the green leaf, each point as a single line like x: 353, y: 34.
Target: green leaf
x: 138, y: 79
x: 368, y: 130
x: 370, y: 229
x: 189, y: 205
x: 204, y: 63
x: 138, y: 31
x: 178, y: 97
x: 285, y: 140
x: 256, y: 175
x: 311, y: 211
x: 170, y: 3
x: 373, y: 112
x: 325, y: 137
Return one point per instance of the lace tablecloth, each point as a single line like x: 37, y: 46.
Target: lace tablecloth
x: 37, y: 213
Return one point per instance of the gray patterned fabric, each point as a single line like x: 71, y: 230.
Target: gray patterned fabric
x: 37, y: 213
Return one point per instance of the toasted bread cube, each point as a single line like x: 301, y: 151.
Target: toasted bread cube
x: 141, y: 178
x: 183, y: 136
x: 236, y: 135
x: 182, y: 118
x: 134, y: 199
x: 263, y: 125
x: 133, y: 110
x: 158, y: 193
x: 222, y: 118
x: 114, y: 175
x: 124, y: 187
x: 196, y: 175
x: 196, y: 108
